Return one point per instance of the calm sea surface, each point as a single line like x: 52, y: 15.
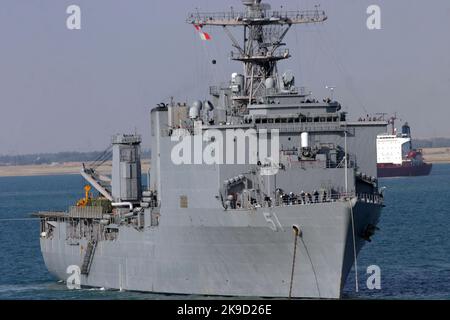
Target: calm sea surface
x: 412, y: 247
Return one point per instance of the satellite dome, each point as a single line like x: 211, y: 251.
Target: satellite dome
x: 270, y: 83
x: 197, y: 104
x: 194, y: 111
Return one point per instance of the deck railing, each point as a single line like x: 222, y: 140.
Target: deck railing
x: 311, y: 199
x: 239, y: 18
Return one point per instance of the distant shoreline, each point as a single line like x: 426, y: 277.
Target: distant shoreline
x: 436, y: 155
x: 431, y: 155
x: 67, y: 168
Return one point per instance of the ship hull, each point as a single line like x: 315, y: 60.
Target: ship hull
x: 405, y: 170
x: 242, y: 253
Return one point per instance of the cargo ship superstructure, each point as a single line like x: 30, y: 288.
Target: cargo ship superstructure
x: 284, y: 222
x: 396, y: 156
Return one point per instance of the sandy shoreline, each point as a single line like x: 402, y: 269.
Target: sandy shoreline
x: 436, y: 155
x: 431, y: 155
x: 56, y: 169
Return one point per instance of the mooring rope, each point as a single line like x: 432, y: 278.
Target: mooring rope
x: 312, y: 266
x: 296, y: 233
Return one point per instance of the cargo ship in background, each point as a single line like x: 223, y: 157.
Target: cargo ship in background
x: 396, y: 156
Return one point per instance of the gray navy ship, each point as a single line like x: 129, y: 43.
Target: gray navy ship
x: 221, y: 215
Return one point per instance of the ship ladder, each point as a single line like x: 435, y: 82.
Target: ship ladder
x: 88, y: 257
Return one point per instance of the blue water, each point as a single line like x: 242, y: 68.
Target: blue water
x: 412, y: 247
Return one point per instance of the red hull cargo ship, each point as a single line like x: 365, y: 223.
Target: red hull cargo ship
x: 396, y: 156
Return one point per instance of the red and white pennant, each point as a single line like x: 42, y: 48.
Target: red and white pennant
x: 203, y: 35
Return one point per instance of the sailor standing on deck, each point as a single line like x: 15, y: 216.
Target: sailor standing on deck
x: 291, y: 198
x: 316, y: 196
x: 309, y: 195
x: 303, y: 197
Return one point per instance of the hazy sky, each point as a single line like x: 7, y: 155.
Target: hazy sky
x: 64, y: 90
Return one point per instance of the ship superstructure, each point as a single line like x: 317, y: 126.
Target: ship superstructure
x: 220, y: 216
x: 396, y: 156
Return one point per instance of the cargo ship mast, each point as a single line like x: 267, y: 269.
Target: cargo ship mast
x: 261, y: 49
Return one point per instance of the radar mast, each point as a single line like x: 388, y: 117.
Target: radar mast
x: 261, y: 48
